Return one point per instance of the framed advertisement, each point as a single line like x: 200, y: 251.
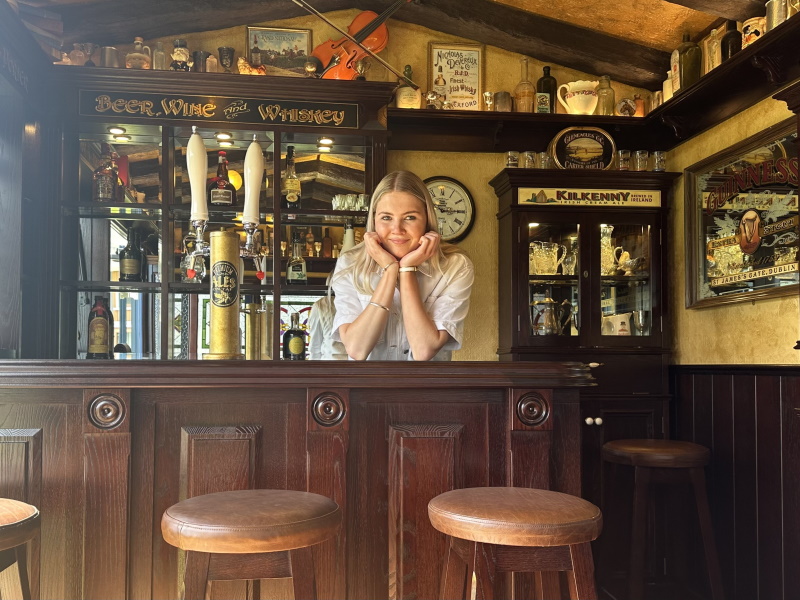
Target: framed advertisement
x: 455, y: 73
x: 284, y: 49
x: 742, y: 221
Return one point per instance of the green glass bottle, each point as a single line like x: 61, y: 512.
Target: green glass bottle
x: 690, y: 58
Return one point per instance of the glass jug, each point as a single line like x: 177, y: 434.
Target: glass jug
x: 609, y: 254
x: 547, y: 256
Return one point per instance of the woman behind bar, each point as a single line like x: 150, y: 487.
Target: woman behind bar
x: 401, y: 294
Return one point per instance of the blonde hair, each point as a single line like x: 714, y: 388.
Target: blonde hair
x: 398, y: 181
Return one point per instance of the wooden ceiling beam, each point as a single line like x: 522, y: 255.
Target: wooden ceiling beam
x: 736, y: 10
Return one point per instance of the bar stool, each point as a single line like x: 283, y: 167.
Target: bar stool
x: 507, y: 529
x: 664, y: 461
x: 250, y: 534
x: 19, y: 523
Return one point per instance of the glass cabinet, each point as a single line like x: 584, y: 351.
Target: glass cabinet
x: 128, y: 242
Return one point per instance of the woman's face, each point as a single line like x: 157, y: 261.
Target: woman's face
x: 400, y: 220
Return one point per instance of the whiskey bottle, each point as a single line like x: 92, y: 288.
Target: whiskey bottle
x: 130, y: 258
x: 731, y: 42
x: 104, y: 178
x: 440, y: 84
x: 290, y: 184
x: 294, y: 340
x: 110, y: 328
x: 296, y: 268
x: 220, y: 189
x: 99, y: 331
x: 690, y: 58
x: 546, y: 92
x: 406, y: 96
x: 255, y: 54
x: 327, y: 245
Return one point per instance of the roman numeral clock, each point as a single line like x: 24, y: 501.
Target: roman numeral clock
x: 455, y: 208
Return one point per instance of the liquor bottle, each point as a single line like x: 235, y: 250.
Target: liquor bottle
x: 731, y: 42
x: 546, y: 92
x: 159, y: 57
x: 327, y: 245
x: 130, y: 258
x: 104, y: 178
x: 606, y: 100
x: 290, y: 184
x: 440, y: 84
x: 296, y: 268
x: 294, y: 340
x: 110, y: 328
x: 690, y: 58
x: 406, y: 96
x: 220, y: 189
x: 99, y: 330
x: 524, y: 93
x: 255, y: 54
x: 349, y: 239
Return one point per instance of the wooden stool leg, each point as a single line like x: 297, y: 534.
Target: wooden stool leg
x: 22, y: 562
x: 14, y: 573
x: 707, y: 531
x: 638, y: 533
x: 485, y: 571
x: 455, y: 582
x: 303, y: 581
x: 195, y: 580
x: 581, y: 578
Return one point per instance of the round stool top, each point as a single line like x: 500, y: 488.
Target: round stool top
x: 19, y: 522
x: 512, y: 516
x: 671, y: 454
x: 249, y: 521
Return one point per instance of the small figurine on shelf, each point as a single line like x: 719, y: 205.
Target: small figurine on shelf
x: 180, y: 56
x: 433, y: 100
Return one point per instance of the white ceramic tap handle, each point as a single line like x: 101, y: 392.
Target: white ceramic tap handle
x: 253, y: 175
x: 561, y: 99
x: 197, y: 167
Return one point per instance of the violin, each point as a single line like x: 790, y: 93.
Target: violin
x: 338, y: 58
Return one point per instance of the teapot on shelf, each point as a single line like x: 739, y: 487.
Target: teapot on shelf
x: 580, y: 97
x: 548, y: 317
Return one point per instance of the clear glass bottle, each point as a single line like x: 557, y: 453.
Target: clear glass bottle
x: 690, y: 58
x: 221, y: 192
x: 290, y: 184
x: 731, y: 42
x: 294, y: 340
x: 77, y: 56
x: 130, y: 258
x: 104, y: 178
x: 296, y: 268
x: 546, y: 88
x: 524, y: 93
x: 99, y: 331
x: 159, y: 57
x: 606, y: 100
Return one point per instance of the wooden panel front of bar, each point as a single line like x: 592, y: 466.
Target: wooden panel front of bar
x: 103, y: 449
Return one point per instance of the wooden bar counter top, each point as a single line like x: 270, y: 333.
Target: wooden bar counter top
x: 103, y: 448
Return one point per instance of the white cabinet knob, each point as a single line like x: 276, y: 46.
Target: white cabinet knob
x: 598, y: 421
x: 589, y: 421
x: 594, y: 365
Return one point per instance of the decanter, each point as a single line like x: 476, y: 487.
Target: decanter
x: 606, y: 100
x: 525, y: 92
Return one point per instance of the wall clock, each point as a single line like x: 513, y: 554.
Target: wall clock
x: 455, y: 207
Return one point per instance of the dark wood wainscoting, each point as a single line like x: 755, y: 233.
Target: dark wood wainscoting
x: 750, y: 418
x: 104, y: 449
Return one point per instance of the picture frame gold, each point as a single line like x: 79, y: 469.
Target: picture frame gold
x: 456, y: 72
x: 281, y: 48
x: 741, y: 221
x: 582, y: 148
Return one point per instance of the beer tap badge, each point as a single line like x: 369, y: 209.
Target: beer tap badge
x: 224, y: 284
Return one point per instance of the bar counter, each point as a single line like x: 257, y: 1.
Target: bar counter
x: 102, y: 449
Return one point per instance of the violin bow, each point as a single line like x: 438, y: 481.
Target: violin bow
x: 306, y: 6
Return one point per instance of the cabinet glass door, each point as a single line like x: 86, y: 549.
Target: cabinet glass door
x: 626, y: 289
x: 553, y: 282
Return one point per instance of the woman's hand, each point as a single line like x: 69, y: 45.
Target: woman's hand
x: 428, y: 246
x: 377, y: 252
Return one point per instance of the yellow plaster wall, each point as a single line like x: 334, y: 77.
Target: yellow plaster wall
x: 758, y: 332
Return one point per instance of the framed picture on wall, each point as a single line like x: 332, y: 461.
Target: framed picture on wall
x: 742, y: 220
x: 455, y: 73
x: 284, y: 49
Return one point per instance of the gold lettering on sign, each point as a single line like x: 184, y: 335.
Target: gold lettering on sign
x: 179, y: 107
x: 274, y: 112
x: 132, y: 107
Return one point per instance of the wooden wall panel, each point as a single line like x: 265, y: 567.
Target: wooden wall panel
x: 748, y: 417
x: 424, y: 461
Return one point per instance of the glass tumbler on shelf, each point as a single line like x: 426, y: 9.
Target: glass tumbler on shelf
x: 502, y: 102
x: 606, y: 100
x: 659, y: 160
x: 640, y: 160
x: 623, y: 160
x: 524, y: 93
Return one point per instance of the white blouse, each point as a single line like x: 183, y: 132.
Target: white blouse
x: 445, y: 297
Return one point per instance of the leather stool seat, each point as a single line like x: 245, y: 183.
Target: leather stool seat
x: 248, y: 521
x: 515, y: 516
x: 508, y: 529
x: 665, y: 454
x: 19, y: 523
x: 251, y: 534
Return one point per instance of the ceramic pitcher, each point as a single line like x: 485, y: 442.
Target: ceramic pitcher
x: 141, y: 57
x: 580, y: 97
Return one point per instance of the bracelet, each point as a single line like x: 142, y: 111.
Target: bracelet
x: 386, y: 308
x: 383, y: 269
x: 408, y: 269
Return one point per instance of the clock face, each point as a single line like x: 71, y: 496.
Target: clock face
x: 455, y: 208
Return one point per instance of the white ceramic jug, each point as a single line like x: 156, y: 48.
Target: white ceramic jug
x: 580, y: 97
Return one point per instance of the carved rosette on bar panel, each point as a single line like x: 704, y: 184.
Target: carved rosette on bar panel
x: 327, y: 442
x: 106, y: 467
x: 424, y: 461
